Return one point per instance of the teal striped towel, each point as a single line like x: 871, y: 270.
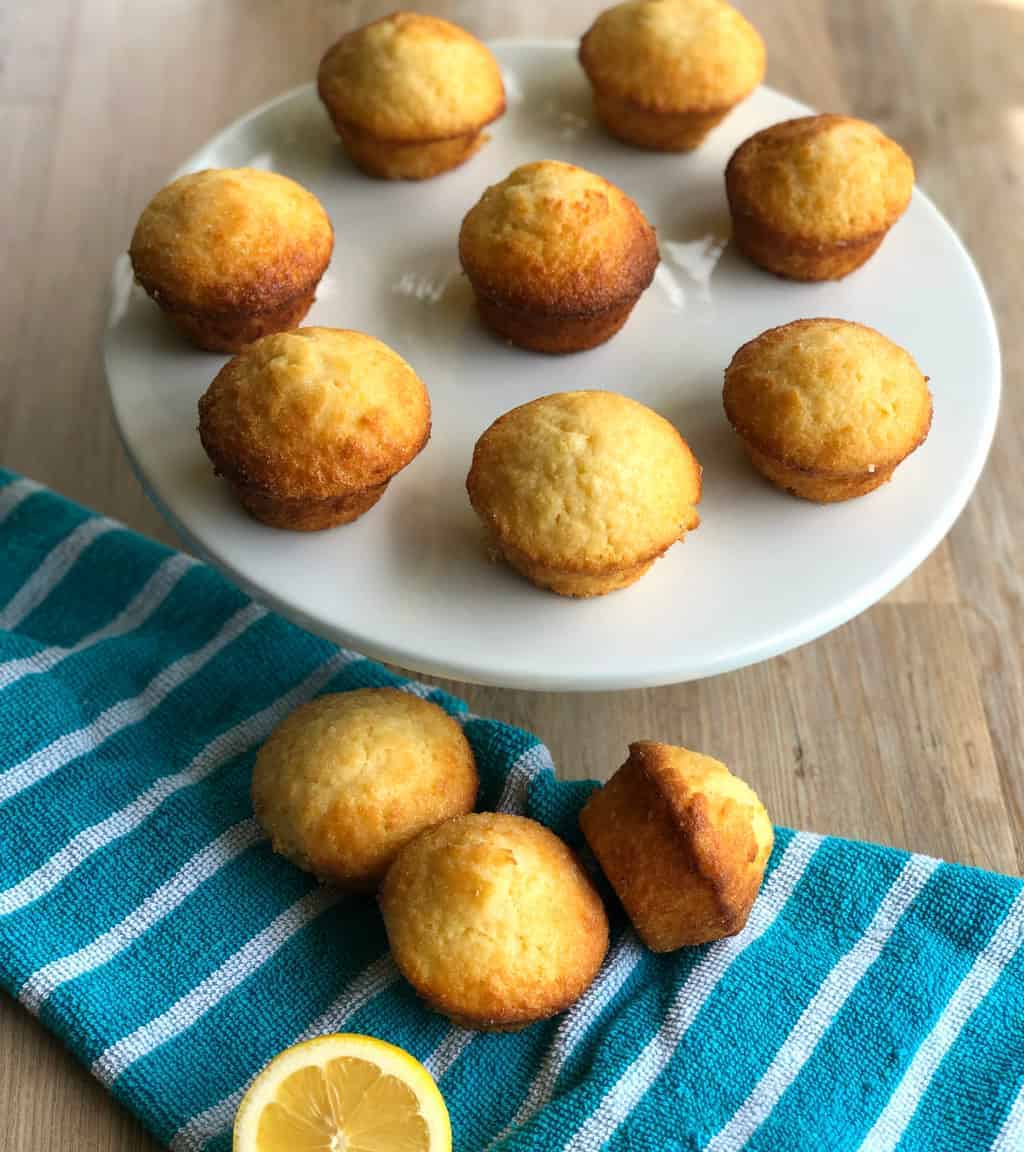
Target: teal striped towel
x: 875, y: 999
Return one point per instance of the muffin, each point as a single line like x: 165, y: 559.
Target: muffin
x: 557, y: 257
x: 812, y: 199
x: 683, y: 842
x: 232, y: 254
x: 308, y: 427
x: 826, y: 409
x: 582, y: 491
x: 410, y: 95
x: 493, y: 921
x: 347, y: 780
x: 665, y: 72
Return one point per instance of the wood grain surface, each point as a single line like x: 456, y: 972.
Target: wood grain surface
x: 906, y: 726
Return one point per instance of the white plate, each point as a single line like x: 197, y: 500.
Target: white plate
x: 410, y: 582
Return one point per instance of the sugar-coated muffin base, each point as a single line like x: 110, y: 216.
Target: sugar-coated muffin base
x: 554, y: 334
x: 231, y: 331
x: 657, y: 131
x: 390, y: 160
x: 796, y: 259
x: 306, y: 515
x: 819, y: 487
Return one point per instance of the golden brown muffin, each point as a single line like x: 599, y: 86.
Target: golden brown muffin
x: 812, y: 199
x: 232, y: 254
x: 410, y: 94
x: 826, y: 409
x: 582, y: 491
x: 309, y: 426
x: 493, y: 921
x: 683, y: 842
x: 557, y: 257
x: 347, y: 780
x: 665, y: 72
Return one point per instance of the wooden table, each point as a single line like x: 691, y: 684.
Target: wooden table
x: 905, y: 726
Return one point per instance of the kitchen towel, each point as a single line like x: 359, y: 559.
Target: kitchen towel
x: 874, y: 1000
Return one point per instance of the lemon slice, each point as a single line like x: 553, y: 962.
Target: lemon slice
x: 343, y: 1093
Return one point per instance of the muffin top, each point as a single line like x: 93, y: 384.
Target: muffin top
x: 585, y: 481
x: 491, y: 918
x: 348, y: 779
x: 231, y: 238
x: 411, y: 77
x: 315, y: 412
x: 823, y: 178
x: 557, y: 239
x: 674, y: 55
x: 828, y: 396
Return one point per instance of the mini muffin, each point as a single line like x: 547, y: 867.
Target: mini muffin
x: 308, y: 427
x: 826, y: 409
x: 557, y: 257
x: 232, y: 254
x: 493, y: 921
x: 347, y: 780
x: 410, y: 94
x: 582, y: 491
x: 683, y: 842
x: 665, y: 72
x: 812, y: 199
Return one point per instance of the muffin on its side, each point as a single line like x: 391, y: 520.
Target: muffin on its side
x: 813, y: 198
x: 683, y: 842
x: 665, y: 72
x: 232, y: 254
x: 346, y: 781
x: 826, y: 409
x: 582, y: 491
x: 557, y: 257
x: 308, y: 427
x: 410, y: 95
x: 493, y: 921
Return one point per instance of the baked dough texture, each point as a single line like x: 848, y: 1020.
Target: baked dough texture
x: 683, y: 842
x: 826, y: 408
x: 346, y: 781
x: 557, y: 256
x: 232, y: 254
x: 665, y: 72
x: 813, y: 198
x: 410, y: 94
x: 493, y: 921
x: 582, y: 491
x: 310, y: 426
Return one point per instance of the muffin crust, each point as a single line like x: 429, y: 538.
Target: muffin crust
x: 347, y: 780
x: 557, y: 256
x: 813, y: 198
x: 410, y: 94
x: 683, y: 842
x: 232, y: 254
x: 310, y: 426
x: 582, y: 491
x: 493, y: 921
x: 825, y: 408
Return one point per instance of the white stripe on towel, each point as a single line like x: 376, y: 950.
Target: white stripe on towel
x: 888, y: 1129
x: 191, y: 1008
x: 72, y: 745
x: 823, y: 1008
x: 225, y: 746
x: 156, y: 907
x: 694, y: 992
x: 1010, y: 1137
x: 52, y: 570
x: 11, y: 495
x: 138, y: 610
x: 218, y: 1118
